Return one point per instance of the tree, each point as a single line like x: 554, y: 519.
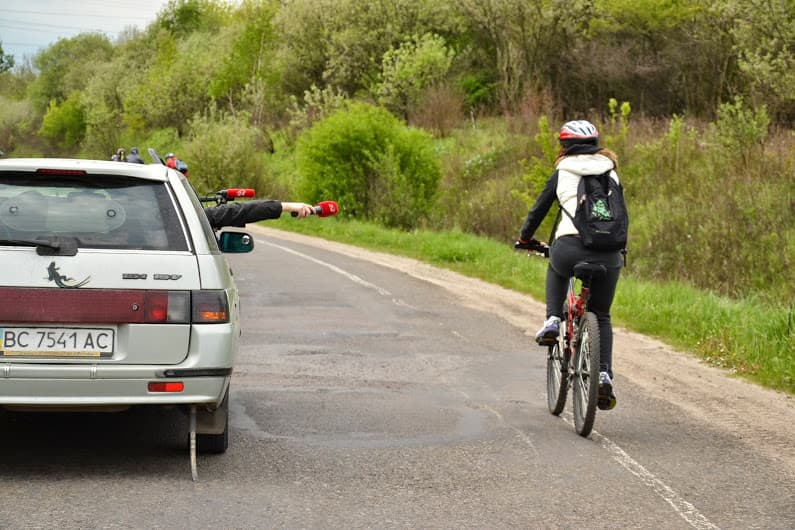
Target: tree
x: 340, y: 43
x: 517, y: 40
x: 765, y: 35
x: 249, y: 76
x: 303, y: 48
x: 6, y: 61
x: 67, y: 66
x: 408, y: 70
x: 102, y: 104
x: 176, y: 85
x: 223, y: 146
x: 670, y: 56
x: 184, y: 17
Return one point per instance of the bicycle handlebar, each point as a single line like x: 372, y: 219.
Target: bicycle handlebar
x: 532, y: 246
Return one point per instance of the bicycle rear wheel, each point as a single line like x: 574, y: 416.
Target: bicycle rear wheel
x: 586, y: 375
x: 557, y: 379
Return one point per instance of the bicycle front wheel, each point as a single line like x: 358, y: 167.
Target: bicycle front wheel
x: 557, y: 380
x: 586, y: 375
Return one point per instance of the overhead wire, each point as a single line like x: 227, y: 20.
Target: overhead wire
x: 60, y: 14
x: 39, y: 26
x: 20, y: 23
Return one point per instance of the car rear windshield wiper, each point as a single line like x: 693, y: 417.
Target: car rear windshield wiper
x: 56, y: 246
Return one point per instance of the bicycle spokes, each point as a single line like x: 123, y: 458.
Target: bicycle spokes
x: 586, y: 374
x: 583, y: 368
x: 557, y: 379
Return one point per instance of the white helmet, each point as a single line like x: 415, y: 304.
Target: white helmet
x: 578, y: 130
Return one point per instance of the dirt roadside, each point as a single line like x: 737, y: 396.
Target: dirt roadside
x: 763, y: 418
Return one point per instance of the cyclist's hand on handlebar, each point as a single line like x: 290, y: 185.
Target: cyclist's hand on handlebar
x: 533, y: 245
x: 521, y: 244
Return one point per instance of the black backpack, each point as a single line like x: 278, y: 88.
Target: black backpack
x: 601, y: 216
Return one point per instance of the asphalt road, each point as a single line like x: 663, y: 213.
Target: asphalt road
x: 366, y: 397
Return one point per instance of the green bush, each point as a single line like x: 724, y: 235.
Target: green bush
x: 374, y: 166
x: 741, y: 131
x: 65, y: 123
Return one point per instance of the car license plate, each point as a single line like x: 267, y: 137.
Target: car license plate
x: 57, y: 342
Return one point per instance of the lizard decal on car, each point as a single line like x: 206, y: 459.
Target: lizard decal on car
x: 64, y: 281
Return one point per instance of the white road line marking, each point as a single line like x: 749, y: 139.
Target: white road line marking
x: 352, y: 277
x: 686, y: 510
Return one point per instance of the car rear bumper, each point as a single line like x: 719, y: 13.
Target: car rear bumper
x: 67, y: 386
x: 205, y: 373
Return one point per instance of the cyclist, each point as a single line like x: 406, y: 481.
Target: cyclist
x: 580, y: 154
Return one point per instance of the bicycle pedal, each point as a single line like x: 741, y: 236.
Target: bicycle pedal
x: 546, y: 341
x: 606, y: 403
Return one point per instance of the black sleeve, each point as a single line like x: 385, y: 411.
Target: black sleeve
x: 540, y: 209
x: 240, y: 213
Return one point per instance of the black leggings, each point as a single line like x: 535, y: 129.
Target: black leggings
x: 566, y: 252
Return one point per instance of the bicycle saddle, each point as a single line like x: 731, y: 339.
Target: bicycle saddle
x: 591, y: 271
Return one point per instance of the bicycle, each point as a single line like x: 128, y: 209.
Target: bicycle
x: 573, y: 359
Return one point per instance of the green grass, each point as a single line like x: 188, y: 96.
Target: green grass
x: 748, y: 338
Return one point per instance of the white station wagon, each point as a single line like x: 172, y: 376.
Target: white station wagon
x: 114, y: 292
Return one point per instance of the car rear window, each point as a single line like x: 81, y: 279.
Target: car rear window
x: 99, y: 211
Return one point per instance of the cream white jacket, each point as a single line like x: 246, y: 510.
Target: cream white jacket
x: 562, y: 187
x: 570, y: 170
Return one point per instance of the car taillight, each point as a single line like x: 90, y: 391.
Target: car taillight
x: 200, y: 307
x: 209, y: 307
x: 170, y: 307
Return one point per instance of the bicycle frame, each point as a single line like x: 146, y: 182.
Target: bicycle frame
x: 576, y: 304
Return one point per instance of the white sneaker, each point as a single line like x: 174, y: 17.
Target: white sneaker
x: 548, y: 334
x: 606, y: 399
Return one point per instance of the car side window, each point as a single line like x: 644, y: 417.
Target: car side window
x: 209, y: 233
